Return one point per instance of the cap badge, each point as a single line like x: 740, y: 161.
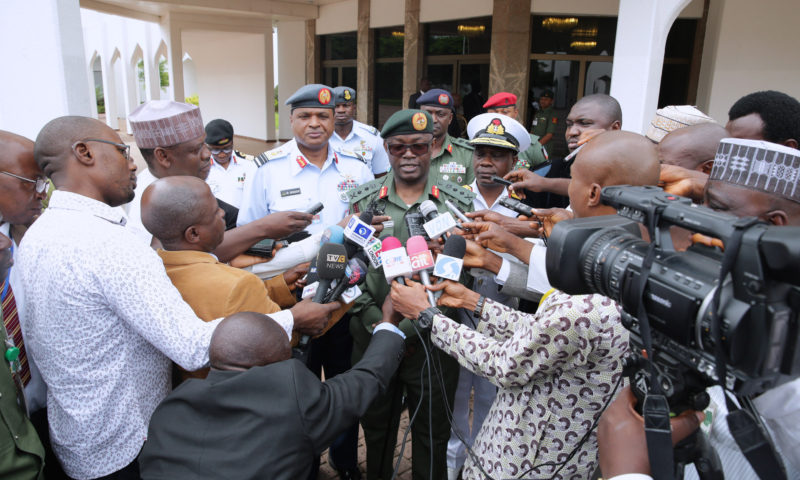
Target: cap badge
x: 419, y: 121
x: 347, y: 95
x: 223, y: 141
x: 324, y: 96
x: 444, y: 99
x: 496, y: 127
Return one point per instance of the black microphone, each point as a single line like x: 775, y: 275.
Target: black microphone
x: 450, y: 262
x: 357, y: 273
x: 517, y: 206
x: 331, y: 265
x: 353, y: 249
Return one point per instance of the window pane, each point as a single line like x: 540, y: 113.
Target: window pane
x: 389, y: 42
x: 459, y: 37
x: 598, y: 78
x: 573, y: 35
x: 674, y: 85
x: 388, y: 90
x: 349, y: 77
x: 441, y: 76
x: 680, y: 41
x: 330, y: 76
x: 339, y: 46
x: 560, y: 76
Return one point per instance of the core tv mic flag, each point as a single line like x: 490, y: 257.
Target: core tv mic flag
x: 331, y: 265
x: 421, y: 261
x: 396, y: 264
x: 450, y: 262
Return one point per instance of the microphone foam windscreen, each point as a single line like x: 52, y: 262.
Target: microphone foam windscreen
x: 427, y: 207
x: 455, y: 246
x: 366, y: 217
x: 333, y: 234
x: 416, y: 244
x: 331, y: 261
x: 390, y: 243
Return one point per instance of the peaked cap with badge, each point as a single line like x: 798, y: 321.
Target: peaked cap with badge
x: 436, y: 97
x: 165, y: 123
x: 312, y: 96
x: 219, y: 132
x: 498, y: 130
x: 344, y: 95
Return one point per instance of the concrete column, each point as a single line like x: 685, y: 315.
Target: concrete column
x: 291, y: 75
x: 269, y: 80
x: 509, y: 62
x: 412, y: 50
x: 312, y: 52
x: 45, y: 67
x: 366, y: 70
x: 172, y: 33
x: 642, y: 29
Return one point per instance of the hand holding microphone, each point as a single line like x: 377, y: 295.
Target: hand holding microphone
x: 331, y: 265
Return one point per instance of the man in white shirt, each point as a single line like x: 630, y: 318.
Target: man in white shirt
x: 229, y: 168
x: 356, y: 138
x: 104, y: 319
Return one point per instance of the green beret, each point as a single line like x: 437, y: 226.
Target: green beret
x: 407, y: 122
x: 312, y: 96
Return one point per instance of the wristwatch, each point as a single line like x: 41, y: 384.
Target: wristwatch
x: 425, y: 318
x: 479, y: 307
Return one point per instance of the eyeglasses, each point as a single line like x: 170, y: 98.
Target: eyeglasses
x: 40, y: 184
x: 399, y: 149
x: 217, y: 151
x: 125, y: 150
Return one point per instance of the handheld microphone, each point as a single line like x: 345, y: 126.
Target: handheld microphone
x: 415, y: 223
x: 456, y: 211
x: 315, y: 209
x: 356, y: 274
x: 396, y: 264
x: 359, y: 230
x: 450, y: 262
x: 373, y: 252
x: 421, y: 261
x: 428, y: 210
x: 331, y: 265
x: 332, y: 234
x: 517, y: 206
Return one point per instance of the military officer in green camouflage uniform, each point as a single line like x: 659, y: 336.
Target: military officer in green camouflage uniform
x: 451, y: 158
x: 408, y: 138
x: 505, y: 103
x: 544, y: 123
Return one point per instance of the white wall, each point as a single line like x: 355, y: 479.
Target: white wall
x: 45, y: 74
x: 230, y: 76
x: 292, y: 73
x: 338, y: 17
x: 748, y: 48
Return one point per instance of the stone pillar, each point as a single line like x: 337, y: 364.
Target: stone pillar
x: 642, y: 29
x: 312, y: 52
x: 366, y: 71
x: 412, y: 50
x: 45, y: 67
x: 269, y: 80
x: 172, y: 32
x: 509, y: 62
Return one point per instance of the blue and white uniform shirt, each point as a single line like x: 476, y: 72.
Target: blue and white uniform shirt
x: 366, y: 144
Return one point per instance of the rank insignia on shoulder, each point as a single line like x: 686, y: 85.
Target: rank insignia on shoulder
x: 435, y: 191
x: 449, y: 148
x: 301, y: 161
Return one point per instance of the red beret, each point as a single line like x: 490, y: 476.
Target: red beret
x: 502, y: 99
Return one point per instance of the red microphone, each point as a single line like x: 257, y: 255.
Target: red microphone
x: 421, y: 261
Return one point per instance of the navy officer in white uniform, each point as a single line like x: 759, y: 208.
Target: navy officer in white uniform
x: 305, y: 170
x: 355, y: 138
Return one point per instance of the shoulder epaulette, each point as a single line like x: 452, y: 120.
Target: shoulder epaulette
x: 351, y: 154
x: 457, y: 192
x: 363, y: 191
x: 261, y: 160
x: 244, y: 155
x: 462, y: 142
x: 368, y: 128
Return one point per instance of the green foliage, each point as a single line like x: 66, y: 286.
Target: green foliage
x: 193, y: 99
x: 101, y: 102
x: 276, y: 98
x: 163, y: 73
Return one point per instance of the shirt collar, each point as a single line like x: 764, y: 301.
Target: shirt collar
x: 61, y: 200
x: 479, y: 196
x: 447, y: 146
x: 298, y: 162
x: 431, y: 191
x: 185, y: 257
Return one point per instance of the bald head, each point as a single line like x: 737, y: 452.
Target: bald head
x: 11, y: 147
x: 606, y: 104
x: 693, y: 147
x: 20, y: 203
x: 248, y: 339
x: 611, y: 158
x: 173, y: 204
x: 54, y: 142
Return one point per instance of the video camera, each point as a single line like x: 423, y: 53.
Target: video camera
x: 758, y: 300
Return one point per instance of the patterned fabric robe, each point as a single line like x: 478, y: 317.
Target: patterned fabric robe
x: 554, y: 370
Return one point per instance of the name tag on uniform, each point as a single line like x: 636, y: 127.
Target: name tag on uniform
x: 290, y: 192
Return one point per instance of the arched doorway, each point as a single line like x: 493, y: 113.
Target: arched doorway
x: 96, y: 73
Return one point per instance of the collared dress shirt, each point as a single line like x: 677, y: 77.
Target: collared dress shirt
x: 227, y: 184
x: 103, y: 322
x: 288, y: 181
x: 554, y: 371
x: 367, y: 145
